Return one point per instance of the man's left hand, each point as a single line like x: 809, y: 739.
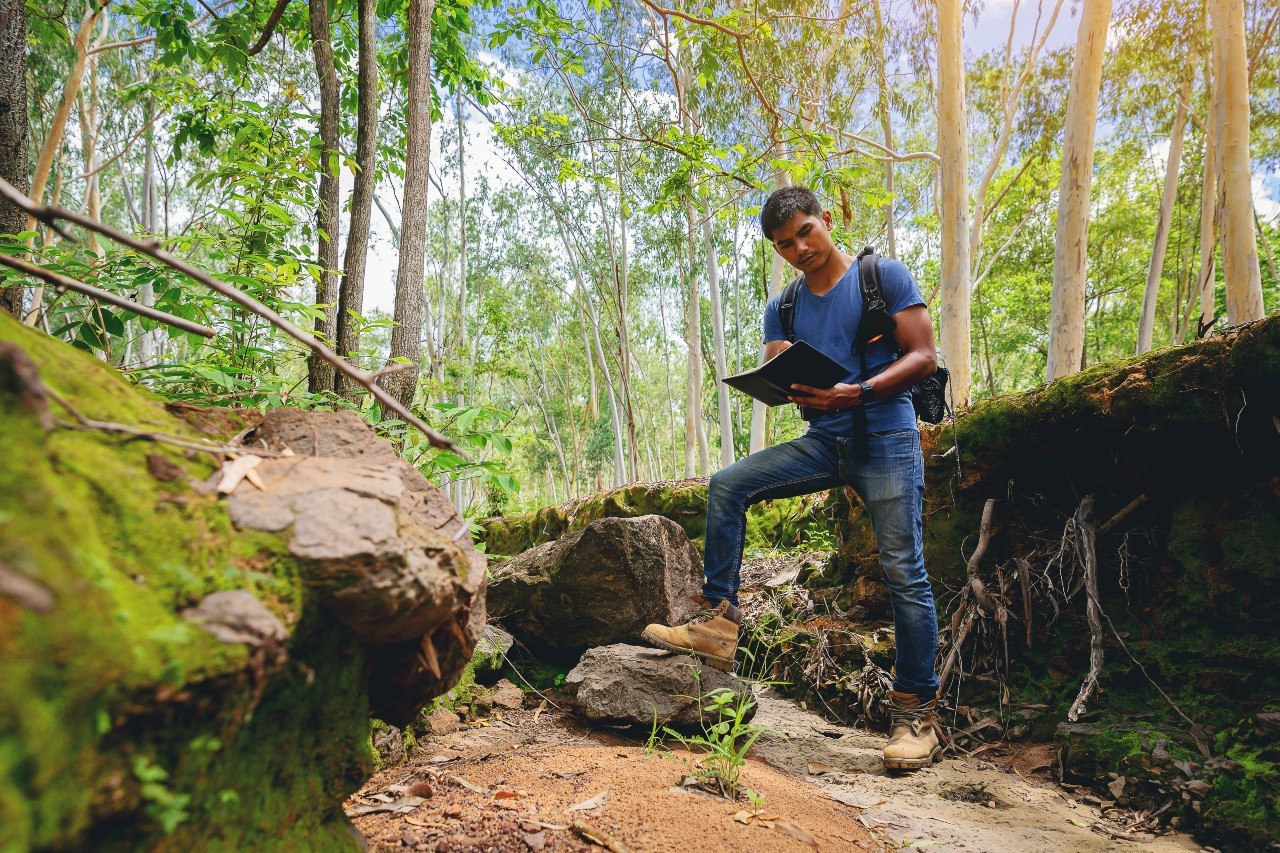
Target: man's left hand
x: 839, y: 396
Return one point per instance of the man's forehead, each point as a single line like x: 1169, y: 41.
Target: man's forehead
x: 794, y: 224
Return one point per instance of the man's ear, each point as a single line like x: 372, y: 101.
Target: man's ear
x: 826, y: 219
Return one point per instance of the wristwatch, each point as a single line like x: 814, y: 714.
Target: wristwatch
x: 868, y: 392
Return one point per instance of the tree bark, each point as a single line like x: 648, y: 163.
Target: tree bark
x: 1168, y: 196
x: 14, y: 161
x: 886, y: 125
x: 351, y: 296
x: 58, y: 126
x: 406, y: 337
x: 1070, y: 251
x: 1241, y: 273
x: 759, y: 411
x: 328, y: 206
x: 717, y: 331
x: 953, y: 149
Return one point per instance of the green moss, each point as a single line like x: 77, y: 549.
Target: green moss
x: 105, y: 695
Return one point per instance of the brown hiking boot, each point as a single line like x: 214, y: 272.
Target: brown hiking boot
x: 711, y: 635
x: 913, y: 737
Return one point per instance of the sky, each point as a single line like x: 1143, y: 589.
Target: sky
x: 989, y: 32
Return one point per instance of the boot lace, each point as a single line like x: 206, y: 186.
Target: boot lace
x: 912, y: 718
x: 705, y: 615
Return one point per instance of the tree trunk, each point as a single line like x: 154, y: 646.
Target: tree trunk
x: 886, y: 125
x: 351, y: 296
x: 14, y: 159
x: 1168, y: 197
x: 328, y: 206
x: 460, y: 486
x: 953, y: 149
x: 406, y: 336
x: 759, y: 411
x: 1241, y: 273
x: 58, y: 126
x: 717, y: 331
x: 1070, y: 251
x: 693, y: 364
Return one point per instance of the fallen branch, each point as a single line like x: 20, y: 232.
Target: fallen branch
x: 62, y: 284
x: 1088, y: 554
x: 50, y: 214
x: 1129, y: 509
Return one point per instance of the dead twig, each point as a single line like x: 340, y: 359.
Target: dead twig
x: 49, y: 215
x: 598, y: 836
x: 1129, y: 509
x: 61, y: 283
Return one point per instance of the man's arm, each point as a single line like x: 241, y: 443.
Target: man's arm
x: 914, y: 334
x: 774, y: 348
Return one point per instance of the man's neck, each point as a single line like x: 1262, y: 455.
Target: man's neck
x: 821, y: 280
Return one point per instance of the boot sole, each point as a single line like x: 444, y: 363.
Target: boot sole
x: 713, y: 661
x: 913, y: 763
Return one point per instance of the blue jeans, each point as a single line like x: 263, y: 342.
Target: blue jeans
x: 891, y: 486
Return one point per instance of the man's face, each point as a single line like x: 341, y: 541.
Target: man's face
x: 804, y: 241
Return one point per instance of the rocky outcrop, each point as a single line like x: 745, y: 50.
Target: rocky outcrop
x: 638, y: 685
x: 182, y: 669
x: 598, y: 586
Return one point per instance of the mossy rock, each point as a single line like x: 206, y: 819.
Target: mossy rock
x: 779, y: 523
x: 122, y: 724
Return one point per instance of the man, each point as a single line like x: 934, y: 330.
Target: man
x: 888, y: 474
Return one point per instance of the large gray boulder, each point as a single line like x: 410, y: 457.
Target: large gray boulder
x: 633, y: 684
x: 384, y: 550
x: 600, y: 585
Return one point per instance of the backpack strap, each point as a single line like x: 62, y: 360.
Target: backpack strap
x: 787, y: 308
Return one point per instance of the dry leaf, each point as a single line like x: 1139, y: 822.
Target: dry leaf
x: 458, y: 780
x: 817, y: 768
x: 401, y: 806
x: 587, y: 805
x: 506, y: 795
x: 788, y: 828
x: 743, y: 817
x: 234, y: 470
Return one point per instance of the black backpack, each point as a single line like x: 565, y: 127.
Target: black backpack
x: 928, y: 396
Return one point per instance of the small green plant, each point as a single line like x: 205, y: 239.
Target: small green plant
x: 166, y: 807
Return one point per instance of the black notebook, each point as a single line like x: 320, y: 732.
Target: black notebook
x: 798, y: 364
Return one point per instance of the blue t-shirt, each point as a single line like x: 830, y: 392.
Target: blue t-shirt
x: 829, y: 323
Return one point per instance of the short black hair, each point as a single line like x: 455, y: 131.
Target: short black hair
x: 782, y: 204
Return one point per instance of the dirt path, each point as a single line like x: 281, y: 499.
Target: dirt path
x: 508, y: 787
x: 967, y: 804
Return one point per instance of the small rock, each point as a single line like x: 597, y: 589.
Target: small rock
x: 442, y: 721
x: 453, y: 810
x: 389, y: 743
x: 409, y: 839
x: 506, y: 695
x: 634, y: 684
x: 530, y: 827
x: 1199, y: 787
x: 491, y: 651
x: 1161, y: 753
x: 536, y: 840
x: 236, y: 616
x: 1116, y: 787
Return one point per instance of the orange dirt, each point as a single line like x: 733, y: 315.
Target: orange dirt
x: 539, y: 768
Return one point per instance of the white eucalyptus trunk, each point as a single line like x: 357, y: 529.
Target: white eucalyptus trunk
x: 1168, y: 196
x: 1241, y: 273
x: 1071, y: 244
x: 953, y: 149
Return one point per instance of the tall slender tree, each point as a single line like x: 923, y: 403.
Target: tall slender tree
x: 14, y: 163
x: 328, y: 210
x: 1168, y: 196
x: 406, y: 337
x: 1242, y: 276
x: 953, y: 150
x: 351, y: 295
x: 1071, y: 243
